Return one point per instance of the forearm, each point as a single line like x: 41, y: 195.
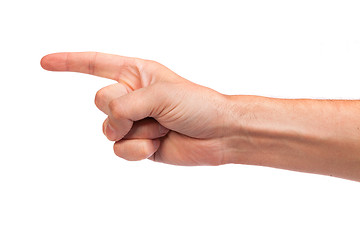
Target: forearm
x: 317, y: 136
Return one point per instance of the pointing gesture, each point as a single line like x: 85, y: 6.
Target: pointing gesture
x: 156, y: 114
x: 152, y: 112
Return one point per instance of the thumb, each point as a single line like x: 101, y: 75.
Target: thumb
x: 134, y: 106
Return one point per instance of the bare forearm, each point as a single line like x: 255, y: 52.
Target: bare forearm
x: 317, y: 136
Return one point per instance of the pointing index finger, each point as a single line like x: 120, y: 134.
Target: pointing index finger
x: 98, y: 64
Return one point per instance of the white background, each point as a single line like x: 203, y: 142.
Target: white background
x: 59, y: 178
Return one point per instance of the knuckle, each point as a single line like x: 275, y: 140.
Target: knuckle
x: 152, y: 65
x: 92, y: 63
x: 100, y: 97
x: 144, y: 64
x: 115, y: 110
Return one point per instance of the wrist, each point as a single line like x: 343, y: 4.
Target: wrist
x: 270, y: 131
x: 317, y: 136
x: 249, y: 131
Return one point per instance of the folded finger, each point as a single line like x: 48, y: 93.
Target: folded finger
x: 105, y: 95
x: 147, y: 128
x: 136, y: 149
x: 118, y: 123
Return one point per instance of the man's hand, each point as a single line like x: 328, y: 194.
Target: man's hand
x: 152, y: 112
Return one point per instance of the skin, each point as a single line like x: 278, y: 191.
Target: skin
x: 156, y: 114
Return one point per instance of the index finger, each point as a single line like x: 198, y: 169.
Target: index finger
x: 94, y: 63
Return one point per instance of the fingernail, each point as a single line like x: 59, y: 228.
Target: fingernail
x: 110, y: 132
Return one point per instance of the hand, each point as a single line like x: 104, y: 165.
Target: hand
x: 152, y: 112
